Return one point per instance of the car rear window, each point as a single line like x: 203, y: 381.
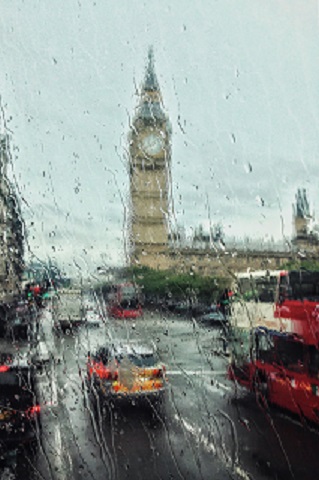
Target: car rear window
x: 8, y: 378
x: 6, y: 358
x: 143, y: 360
x: 16, y: 378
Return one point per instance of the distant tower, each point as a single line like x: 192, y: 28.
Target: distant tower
x: 304, y: 238
x: 302, y: 215
x: 150, y: 159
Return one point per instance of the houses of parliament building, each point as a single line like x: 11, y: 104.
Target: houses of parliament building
x: 150, y: 238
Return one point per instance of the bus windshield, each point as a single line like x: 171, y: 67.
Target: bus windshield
x: 300, y: 285
x: 290, y: 353
x: 285, y: 351
x: 259, y: 286
x: 128, y: 292
x: 124, y: 296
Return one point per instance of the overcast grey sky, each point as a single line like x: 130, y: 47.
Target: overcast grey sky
x: 240, y: 84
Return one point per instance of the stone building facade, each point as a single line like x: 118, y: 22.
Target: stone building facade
x: 150, y: 187
x: 304, y: 239
x: 150, y: 158
x: 11, y: 231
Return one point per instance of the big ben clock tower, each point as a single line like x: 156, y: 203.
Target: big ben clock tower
x: 150, y: 157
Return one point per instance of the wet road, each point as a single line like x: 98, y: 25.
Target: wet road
x: 206, y: 429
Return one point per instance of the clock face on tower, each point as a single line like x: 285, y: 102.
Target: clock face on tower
x: 152, y: 144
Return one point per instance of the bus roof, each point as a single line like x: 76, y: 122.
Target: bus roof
x: 258, y: 274
x: 276, y: 333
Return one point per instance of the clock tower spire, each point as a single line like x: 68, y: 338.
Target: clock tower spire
x: 150, y: 158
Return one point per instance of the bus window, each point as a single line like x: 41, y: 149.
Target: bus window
x: 285, y: 290
x: 304, y: 285
x: 306, y: 291
x: 290, y: 354
x: 313, y: 361
x: 129, y: 303
x: 265, y: 348
x: 258, y: 286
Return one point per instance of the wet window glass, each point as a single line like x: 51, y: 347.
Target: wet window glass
x: 159, y: 240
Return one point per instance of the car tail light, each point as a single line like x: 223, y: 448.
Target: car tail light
x: 115, y: 375
x: 100, y: 370
x: 157, y: 373
x: 4, y: 368
x: 34, y: 410
x: 117, y: 387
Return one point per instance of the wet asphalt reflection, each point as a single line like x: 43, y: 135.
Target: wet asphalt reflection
x: 204, y: 429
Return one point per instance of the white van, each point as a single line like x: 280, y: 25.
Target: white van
x: 68, y: 310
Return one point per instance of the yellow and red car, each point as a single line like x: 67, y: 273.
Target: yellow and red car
x: 126, y: 371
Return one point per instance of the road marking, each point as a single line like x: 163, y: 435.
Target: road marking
x: 63, y: 460
x: 54, y: 393
x: 43, y: 352
x: 74, y: 377
x: 211, y: 448
x: 196, y: 372
x: 197, y: 432
x: 48, y: 393
x: 61, y: 456
x: 228, y: 388
x: 216, y: 386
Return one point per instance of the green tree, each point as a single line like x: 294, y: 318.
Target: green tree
x: 302, y: 264
x: 166, y: 284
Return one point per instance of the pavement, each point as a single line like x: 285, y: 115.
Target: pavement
x: 208, y: 428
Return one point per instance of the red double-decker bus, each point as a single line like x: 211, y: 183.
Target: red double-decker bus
x: 123, y: 301
x: 297, y: 302
x: 283, y: 367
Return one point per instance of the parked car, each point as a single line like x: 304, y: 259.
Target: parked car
x: 92, y: 318
x: 22, y: 322
x: 213, y: 315
x: 125, y: 371
x: 189, y: 309
x: 19, y: 406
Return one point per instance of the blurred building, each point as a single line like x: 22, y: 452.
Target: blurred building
x: 11, y: 230
x: 149, y: 165
x: 305, y: 238
x: 153, y: 243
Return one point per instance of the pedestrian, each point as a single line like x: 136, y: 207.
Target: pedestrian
x: 224, y: 303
